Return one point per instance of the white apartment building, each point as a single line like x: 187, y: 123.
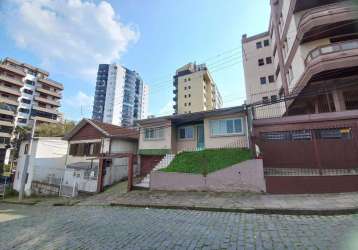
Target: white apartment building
x: 121, y: 97
x: 313, y: 47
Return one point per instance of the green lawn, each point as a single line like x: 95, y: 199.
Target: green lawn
x: 213, y: 159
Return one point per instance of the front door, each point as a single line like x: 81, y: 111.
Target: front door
x: 200, y: 137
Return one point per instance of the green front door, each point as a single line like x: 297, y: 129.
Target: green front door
x: 200, y: 138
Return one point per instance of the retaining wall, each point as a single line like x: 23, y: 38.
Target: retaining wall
x: 245, y: 176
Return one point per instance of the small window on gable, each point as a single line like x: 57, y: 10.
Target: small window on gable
x: 266, y: 42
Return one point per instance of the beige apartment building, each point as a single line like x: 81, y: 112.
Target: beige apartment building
x: 195, y: 90
x: 26, y: 93
x: 308, y: 57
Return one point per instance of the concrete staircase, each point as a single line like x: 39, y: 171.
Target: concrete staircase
x: 162, y: 164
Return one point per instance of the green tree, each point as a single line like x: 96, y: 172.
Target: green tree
x: 54, y: 129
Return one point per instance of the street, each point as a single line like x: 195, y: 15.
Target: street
x: 96, y: 227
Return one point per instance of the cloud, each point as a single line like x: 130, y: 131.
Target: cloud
x: 75, y: 34
x: 81, y: 99
x: 167, y: 109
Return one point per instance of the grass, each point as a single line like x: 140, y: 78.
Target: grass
x: 207, y: 161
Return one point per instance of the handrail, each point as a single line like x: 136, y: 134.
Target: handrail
x: 331, y: 48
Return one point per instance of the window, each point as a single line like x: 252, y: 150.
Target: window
x: 268, y: 60
x: 189, y: 95
x: 265, y: 99
x: 274, y: 98
x: 189, y: 104
x: 258, y: 45
x: 271, y: 78
x: 153, y: 133
x: 226, y: 127
x: 186, y: 133
x: 23, y: 110
x: 22, y: 120
x: 185, y: 104
x: 261, y: 62
x: 28, y: 91
x: 27, y: 101
x: 184, y: 88
x: 189, y: 87
x: 263, y: 80
x: 189, y: 79
x: 184, y: 96
x: 334, y: 133
x: 266, y: 42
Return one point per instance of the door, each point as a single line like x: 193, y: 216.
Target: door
x: 200, y: 140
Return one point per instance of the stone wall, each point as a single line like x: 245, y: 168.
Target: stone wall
x: 245, y: 176
x: 42, y: 188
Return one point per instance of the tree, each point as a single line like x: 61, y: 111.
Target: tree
x: 54, y: 129
x: 21, y: 134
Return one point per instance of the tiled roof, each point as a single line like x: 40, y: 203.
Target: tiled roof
x: 117, y: 131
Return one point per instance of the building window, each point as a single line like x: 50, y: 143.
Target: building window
x: 32, y: 83
x: 27, y: 101
x: 28, y: 91
x: 184, y: 88
x: 153, y: 133
x: 189, y: 87
x: 263, y: 80
x: 268, y: 60
x: 189, y: 95
x: 184, y: 96
x: 265, y: 99
x: 185, y: 104
x: 189, y: 104
x: 23, y: 110
x: 271, y: 78
x: 186, y: 133
x: 261, y: 62
x: 258, y: 45
x: 189, y: 79
x: 22, y: 120
x: 266, y: 43
x: 274, y: 98
x: 225, y: 127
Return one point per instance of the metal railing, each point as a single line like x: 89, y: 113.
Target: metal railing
x: 331, y: 48
x: 308, y: 172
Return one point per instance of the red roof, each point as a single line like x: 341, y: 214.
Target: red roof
x: 117, y: 131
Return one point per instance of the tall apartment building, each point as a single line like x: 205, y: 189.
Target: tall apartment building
x: 309, y: 56
x: 195, y: 90
x: 121, y: 96
x: 26, y: 93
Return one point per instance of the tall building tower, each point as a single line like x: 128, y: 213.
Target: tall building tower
x: 121, y: 97
x: 26, y: 93
x: 195, y: 90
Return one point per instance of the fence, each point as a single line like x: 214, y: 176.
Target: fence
x: 68, y: 191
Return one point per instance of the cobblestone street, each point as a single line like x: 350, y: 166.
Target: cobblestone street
x: 43, y: 227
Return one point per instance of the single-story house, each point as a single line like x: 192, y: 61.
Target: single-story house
x: 98, y: 155
x: 46, y: 162
x: 168, y: 135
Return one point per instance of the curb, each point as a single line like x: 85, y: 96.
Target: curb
x: 265, y: 211
x: 19, y: 203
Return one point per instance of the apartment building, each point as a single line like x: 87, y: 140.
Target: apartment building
x: 312, y: 52
x: 121, y: 96
x: 26, y: 93
x: 195, y: 90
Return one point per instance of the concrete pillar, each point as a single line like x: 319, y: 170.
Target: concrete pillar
x: 339, y: 101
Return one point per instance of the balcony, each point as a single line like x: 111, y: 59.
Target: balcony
x: 47, y: 110
x: 43, y: 119
x: 17, y: 71
x: 51, y: 83
x: 11, y: 91
x: 309, y: 4
x: 48, y: 101
x: 49, y: 92
x: 327, y: 20
x: 7, y: 112
x: 12, y: 80
x: 6, y: 123
x: 329, y: 62
x: 9, y: 101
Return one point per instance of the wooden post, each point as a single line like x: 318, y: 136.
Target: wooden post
x: 130, y: 172
x: 100, y: 174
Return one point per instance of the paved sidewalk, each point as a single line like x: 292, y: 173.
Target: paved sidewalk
x: 240, y: 202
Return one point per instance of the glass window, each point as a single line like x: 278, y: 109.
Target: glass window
x: 154, y: 133
x: 271, y: 78
x: 266, y: 43
x: 263, y: 80
x: 186, y: 133
x: 28, y: 91
x: 261, y: 62
x: 258, y: 45
x: 268, y: 60
x: 226, y: 127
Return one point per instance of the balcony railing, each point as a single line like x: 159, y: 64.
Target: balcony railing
x: 331, y: 48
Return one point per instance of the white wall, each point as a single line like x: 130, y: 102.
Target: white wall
x: 48, y: 156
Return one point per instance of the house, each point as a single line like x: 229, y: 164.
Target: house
x: 163, y: 137
x: 46, y: 163
x: 98, y: 155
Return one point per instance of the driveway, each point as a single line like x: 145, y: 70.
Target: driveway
x: 97, y: 227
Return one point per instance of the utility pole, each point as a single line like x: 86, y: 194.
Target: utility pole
x: 27, y: 161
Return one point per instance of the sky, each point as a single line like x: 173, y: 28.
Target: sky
x: 69, y: 38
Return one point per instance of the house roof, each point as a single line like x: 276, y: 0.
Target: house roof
x: 106, y: 129
x: 192, y: 117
